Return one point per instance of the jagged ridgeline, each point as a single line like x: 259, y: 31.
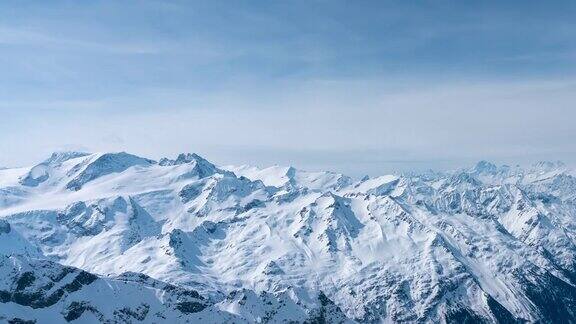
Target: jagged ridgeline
x: 113, y: 237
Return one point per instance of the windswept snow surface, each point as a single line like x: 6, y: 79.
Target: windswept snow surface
x: 113, y: 237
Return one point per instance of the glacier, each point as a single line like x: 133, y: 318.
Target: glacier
x: 118, y: 238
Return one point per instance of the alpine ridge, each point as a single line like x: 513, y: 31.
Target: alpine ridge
x: 118, y: 238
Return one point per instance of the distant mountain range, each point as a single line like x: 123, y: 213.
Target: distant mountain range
x: 117, y: 238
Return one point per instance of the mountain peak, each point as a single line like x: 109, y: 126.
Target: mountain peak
x: 548, y: 165
x: 63, y: 156
x: 104, y: 164
x: 485, y: 167
x: 184, y: 158
x: 41, y: 172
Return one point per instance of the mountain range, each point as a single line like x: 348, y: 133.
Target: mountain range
x: 118, y: 238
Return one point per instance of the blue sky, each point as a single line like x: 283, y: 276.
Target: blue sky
x: 353, y: 86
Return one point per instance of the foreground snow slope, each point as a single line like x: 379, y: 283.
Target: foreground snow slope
x: 485, y: 244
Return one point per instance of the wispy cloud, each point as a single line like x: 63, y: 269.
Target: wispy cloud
x: 24, y: 37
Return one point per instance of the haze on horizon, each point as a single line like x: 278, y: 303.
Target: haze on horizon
x: 371, y: 87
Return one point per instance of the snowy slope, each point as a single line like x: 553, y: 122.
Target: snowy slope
x: 484, y: 244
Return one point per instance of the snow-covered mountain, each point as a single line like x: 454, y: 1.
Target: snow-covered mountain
x: 114, y: 237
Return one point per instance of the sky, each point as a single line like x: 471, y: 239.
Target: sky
x: 360, y: 87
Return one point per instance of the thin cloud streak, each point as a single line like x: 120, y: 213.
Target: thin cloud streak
x: 14, y: 36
